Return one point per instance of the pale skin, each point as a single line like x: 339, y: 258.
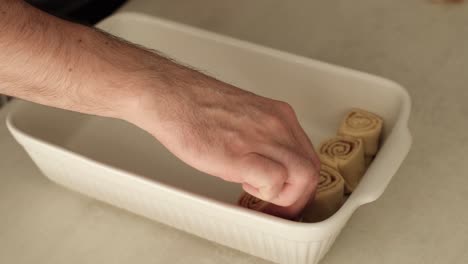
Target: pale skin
x: 214, y: 127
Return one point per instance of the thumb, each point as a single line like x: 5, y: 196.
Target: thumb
x: 261, y: 176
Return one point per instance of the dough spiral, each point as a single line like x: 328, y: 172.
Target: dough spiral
x: 364, y: 125
x: 329, y: 195
x: 346, y: 154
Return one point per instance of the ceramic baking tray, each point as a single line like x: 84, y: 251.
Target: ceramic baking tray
x: 120, y: 164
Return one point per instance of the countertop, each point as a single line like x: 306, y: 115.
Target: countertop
x: 421, y: 217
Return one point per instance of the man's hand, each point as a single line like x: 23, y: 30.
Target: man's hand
x: 214, y: 127
x: 233, y: 134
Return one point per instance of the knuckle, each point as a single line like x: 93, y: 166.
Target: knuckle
x: 236, y: 142
x: 275, y: 123
x: 286, y: 108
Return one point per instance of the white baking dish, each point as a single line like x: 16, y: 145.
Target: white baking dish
x: 122, y: 165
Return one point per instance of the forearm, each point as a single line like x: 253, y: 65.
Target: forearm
x: 214, y: 127
x: 58, y: 63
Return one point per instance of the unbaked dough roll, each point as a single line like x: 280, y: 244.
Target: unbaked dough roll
x: 251, y: 202
x: 328, y: 197
x: 292, y: 212
x: 348, y: 153
x: 364, y: 125
x: 328, y: 160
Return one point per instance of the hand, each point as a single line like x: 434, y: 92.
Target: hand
x: 233, y: 134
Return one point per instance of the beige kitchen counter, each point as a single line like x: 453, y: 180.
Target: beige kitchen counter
x: 422, y: 216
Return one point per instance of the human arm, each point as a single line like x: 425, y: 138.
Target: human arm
x: 213, y: 126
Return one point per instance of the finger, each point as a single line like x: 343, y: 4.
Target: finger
x: 293, y: 211
x: 301, y: 173
x: 261, y: 176
x: 305, y: 141
x: 250, y: 189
